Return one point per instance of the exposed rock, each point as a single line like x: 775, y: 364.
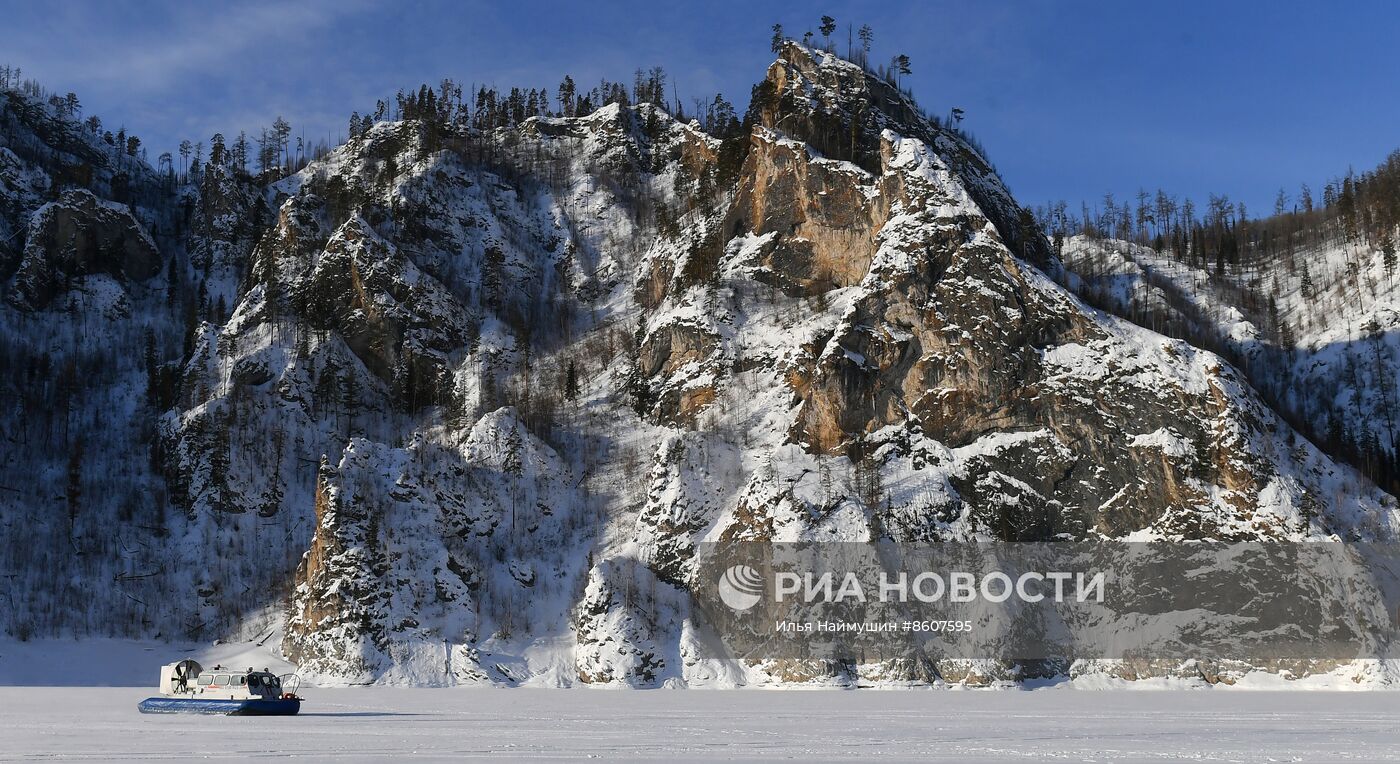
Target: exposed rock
x: 615, y: 632
x: 952, y: 338
x: 398, y: 321
x: 683, y: 498
x: 400, y: 574
x: 546, y: 362
x: 825, y: 215
x: 77, y: 235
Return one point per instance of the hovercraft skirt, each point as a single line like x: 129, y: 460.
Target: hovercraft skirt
x: 251, y: 707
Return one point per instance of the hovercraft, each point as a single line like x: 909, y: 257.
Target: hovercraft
x: 187, y: 688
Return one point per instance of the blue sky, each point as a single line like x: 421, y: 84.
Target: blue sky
x: 1071, y: 99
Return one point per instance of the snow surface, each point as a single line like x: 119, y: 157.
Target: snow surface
x: 1347, y: 331
x: 380, y: 723
x: 1094, y: 718
x: 121, y: 662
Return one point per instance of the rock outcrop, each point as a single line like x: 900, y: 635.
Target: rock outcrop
x: 461, y: 405
x: 923, y: 344
x: 76, y: 236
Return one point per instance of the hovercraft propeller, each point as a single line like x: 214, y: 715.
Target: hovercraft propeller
x: 185, y: 671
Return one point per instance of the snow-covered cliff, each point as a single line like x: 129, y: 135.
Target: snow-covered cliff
x: 456, y: 406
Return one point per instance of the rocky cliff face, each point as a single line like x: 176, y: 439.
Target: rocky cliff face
x: 477, y: 397
x: 1323, y: 344
x: 79, y: 235
x: 928, y: 346
x: 401, y: 575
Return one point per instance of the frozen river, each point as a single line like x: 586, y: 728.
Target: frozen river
x: 379, y: 724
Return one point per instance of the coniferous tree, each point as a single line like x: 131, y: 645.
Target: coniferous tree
x: 152, y: 368
x: 567, y: 94
x: 217, y: 153
x: 240, y: 151
x: 571, y: 388
x: 74, y: 493
x: 1387, y: 245
x: 827, y: 27
x: 867, y: 38
x: 280, y: 132
x: 901, y: 65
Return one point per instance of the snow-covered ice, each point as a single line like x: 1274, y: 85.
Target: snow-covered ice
x: 381, y: 723
x: 94, y: 717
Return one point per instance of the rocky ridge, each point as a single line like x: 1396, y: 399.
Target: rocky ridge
x: 476, y: 397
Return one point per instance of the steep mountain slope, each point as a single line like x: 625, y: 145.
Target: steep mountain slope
x: 946, y: 337
x: 406, y: 335
x: 478, y: 395
x: 97, y: 285
x: 1324, y: 344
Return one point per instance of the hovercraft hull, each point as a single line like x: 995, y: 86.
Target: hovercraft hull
x: 250, y: 707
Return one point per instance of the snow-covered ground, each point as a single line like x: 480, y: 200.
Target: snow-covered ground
x: 379, y: 724
x: 120, y: 662
x: 93, y: 716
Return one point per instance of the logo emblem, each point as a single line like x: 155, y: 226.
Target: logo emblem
x: 741, y: 587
